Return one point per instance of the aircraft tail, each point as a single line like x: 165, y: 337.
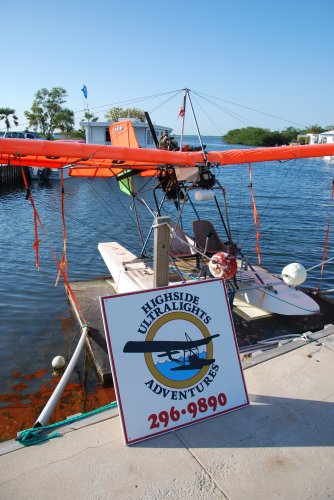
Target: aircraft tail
x: 123, y: 134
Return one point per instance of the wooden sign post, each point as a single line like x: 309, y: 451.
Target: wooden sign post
x: 161, y: 251
x: 174, y: 357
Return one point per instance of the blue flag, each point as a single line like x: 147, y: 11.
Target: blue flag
x: 84, y: 90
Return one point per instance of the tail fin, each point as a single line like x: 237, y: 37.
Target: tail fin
x: 123, y: 134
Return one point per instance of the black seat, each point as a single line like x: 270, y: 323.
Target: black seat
x: 206, y: 238
x: 179, y: 246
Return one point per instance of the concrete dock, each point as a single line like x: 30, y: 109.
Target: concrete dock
x: 281, y: 446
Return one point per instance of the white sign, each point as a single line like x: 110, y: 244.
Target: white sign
x: 174, y: 357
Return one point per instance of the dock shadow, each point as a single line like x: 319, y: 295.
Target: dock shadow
x: 269, y: 422
x: 95, y: 337
x: 252, y: 331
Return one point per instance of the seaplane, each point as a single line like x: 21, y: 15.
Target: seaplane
x: 179, y: 170
x: 169, y: 348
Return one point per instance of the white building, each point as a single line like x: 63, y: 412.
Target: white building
x: 98, y: 132
x: 326, y: 137
x: 322, y: 138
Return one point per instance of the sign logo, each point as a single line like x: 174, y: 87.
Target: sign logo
x: 178, y: 346
x: 180, y: 363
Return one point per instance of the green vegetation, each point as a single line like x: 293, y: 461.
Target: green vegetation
x: 5, y: 114
x: 47, y: 113
x: 89, y: 117
x: 117, y: 113
x: 256, y: 136
x: 75, y: 134
x: 80, y: 133
x: 313, y: 129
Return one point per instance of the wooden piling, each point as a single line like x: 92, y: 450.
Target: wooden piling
x: 9, y: 174
x: 162, y: 241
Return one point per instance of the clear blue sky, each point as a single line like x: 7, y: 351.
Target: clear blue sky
x: 272, y: 56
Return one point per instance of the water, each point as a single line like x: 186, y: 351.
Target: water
x: 293, y: 200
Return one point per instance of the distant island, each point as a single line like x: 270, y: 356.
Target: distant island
x: 256, y: 136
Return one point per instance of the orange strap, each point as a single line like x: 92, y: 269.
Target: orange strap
x: 63, y: 263
x: 256, y: 218
x: 37, y: 241
x: 28, y: 196
x: 327, y: 236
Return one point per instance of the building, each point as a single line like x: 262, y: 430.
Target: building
x: 321, y: 138
x: 98, y: 132
x: 327, y: 138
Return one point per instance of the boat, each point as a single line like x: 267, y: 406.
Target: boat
x: 49, y: 174
x: 46, y: 174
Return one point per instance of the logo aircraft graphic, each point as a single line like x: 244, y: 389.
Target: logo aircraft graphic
x: 168, y: 348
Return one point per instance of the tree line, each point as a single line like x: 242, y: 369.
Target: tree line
x: 48, y: 115
x: 256, y: 136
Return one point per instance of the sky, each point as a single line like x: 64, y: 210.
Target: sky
x: 258, y: 63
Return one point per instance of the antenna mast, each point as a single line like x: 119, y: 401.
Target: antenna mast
x: 195, y: 120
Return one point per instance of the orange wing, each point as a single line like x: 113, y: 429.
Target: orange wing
x: 57, y: 154
x: 237, y: 156
x: 93, y: 160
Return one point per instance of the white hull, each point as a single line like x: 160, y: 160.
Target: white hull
x: 131, y: 274
x: 279, y: 298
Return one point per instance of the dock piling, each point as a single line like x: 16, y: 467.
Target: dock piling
x: 162, y: 241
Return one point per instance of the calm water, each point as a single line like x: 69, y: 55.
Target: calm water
x: 293, y: 201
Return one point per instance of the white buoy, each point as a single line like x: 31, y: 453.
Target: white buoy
x: 204, y: 195
x: 58, y: 362
x: 294, y: 274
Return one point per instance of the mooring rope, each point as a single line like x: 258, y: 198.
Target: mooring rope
x: 34, y: 435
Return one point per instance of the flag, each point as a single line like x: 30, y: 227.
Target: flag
x: 182, y: 112
x: 84, y: 90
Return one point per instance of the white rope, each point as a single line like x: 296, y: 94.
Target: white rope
x: 268, y: 343
x: 321, y: 263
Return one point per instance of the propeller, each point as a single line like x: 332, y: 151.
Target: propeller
x: 152, y: 129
